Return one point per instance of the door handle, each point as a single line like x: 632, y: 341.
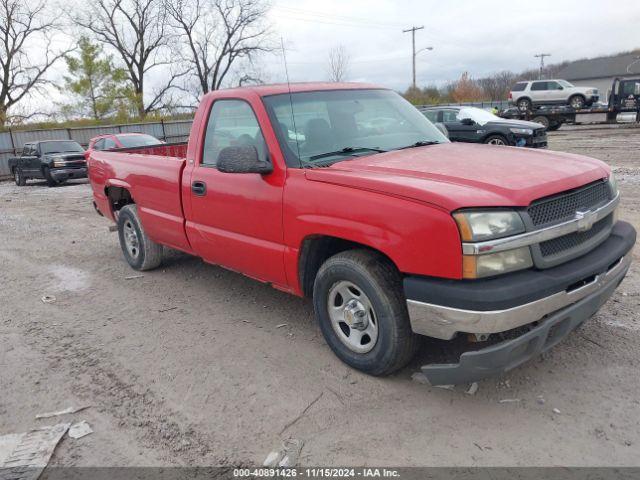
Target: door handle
x: 199, y: 188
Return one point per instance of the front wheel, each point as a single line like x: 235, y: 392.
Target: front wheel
x: 362, y: 312
x: 46, y: 173
x: 19, y: 178
x: 496, y: 140
x: 140, y: 252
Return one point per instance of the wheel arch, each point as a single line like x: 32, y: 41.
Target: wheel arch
x: 118, y: 196
x: 496, y: 133
x: 315, y: 249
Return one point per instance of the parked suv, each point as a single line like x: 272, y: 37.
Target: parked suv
x: 548, y: 92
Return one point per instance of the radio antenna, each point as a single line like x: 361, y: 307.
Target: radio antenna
x: 293, y: 117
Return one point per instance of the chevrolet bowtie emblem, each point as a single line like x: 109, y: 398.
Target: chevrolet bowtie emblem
x: 585, y: 220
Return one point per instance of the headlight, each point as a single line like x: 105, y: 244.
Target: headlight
x: 522, y: 131
x: 476, y: 266
x: 613, y: 184
x: 486, y: 225
x: 59, y: 162
x: 478, y: 226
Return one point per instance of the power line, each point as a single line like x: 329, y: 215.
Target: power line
x: 341, y: 18
x: 327, y: 22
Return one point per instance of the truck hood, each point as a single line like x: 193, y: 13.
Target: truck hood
x: 457, y: 175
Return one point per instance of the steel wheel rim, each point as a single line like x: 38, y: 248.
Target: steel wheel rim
x: 353, y: 317
x: 131, y: 241
x: 524, y: 105
x: 576, y: 103
x: 496, y: 141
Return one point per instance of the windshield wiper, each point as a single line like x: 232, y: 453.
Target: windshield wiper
x: 420, y: 143
x: 346, y: 150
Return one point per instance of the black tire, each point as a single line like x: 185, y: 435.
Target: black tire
x: 19, y: 178
x: 498, y: 140
x: 542, y: 120
x: 577, y: 102
x: 141, y: 253
x: 381, y: 283
x: 46, y: 173
x: 524, y: 104
x: 554, y: 126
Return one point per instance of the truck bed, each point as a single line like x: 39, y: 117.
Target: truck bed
x: 157, y: 197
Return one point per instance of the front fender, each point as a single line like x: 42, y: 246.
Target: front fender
x: 419, y: 238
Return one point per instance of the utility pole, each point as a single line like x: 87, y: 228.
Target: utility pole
x: 541, y: 57
x: 414, y: 53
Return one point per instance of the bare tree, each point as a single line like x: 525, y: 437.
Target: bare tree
x: 338, y: 65
x: 497, y: 86
x: 137, y: 30
x: 216, y: 34
x: 23, y: 24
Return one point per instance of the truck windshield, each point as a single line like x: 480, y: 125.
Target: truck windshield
x: 60, y: 147
x: 324, y: 127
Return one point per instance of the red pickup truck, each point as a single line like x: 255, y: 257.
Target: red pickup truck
x: 347, y: 194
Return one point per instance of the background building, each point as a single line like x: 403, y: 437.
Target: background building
x: 599, y: 72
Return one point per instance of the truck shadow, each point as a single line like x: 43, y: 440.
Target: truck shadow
x: 68, y: 183
x: 295, y: 311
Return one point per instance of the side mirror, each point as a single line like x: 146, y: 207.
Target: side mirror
x: 242, y: 159
x: 442, y: 129
x: 560, y: 87
x: 467, y: 121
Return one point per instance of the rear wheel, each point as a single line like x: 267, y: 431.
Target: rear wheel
x: 524, y: 105
x: 542, y: 120
x: 577, y: 102
x: 139, y: 250
x: 496, y: 140
x: 362, y: 312
x: 19, y: 178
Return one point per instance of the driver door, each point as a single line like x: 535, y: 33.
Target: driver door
x: 555, y: 92
x: 235, y: 219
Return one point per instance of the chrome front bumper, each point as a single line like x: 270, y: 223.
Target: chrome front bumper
x: 444, y: 322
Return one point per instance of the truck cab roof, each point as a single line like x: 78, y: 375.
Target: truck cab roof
x: 297, y: 87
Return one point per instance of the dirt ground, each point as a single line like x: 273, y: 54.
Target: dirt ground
x: 191, y: 364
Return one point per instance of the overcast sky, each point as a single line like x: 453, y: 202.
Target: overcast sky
x: 480, y: 37
x: 476, y: 36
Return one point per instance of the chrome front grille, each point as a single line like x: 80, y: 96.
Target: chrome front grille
x: 573, y: 240
x: 563, y: 207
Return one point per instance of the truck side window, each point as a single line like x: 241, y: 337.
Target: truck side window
x: 539, y: 86
x: 231, y: 123
x: 109, y: 143
x: 26, y: 150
